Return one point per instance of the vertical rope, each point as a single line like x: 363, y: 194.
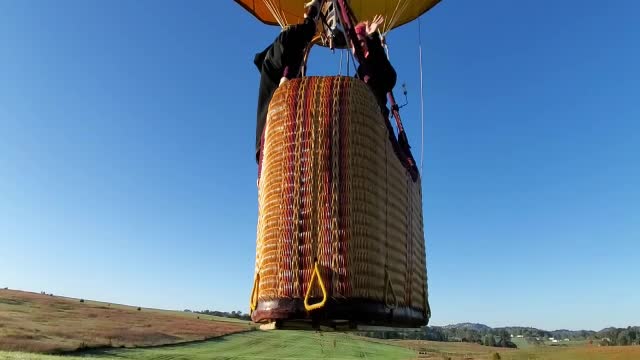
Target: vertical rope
x: 314, y: 231
x: 272, y: 8
x: 297, y: 177
x: 387, y: 274
x: 348, y: 60
x: 335, y: 179
x: 421, y: 98
x: 395, y: 16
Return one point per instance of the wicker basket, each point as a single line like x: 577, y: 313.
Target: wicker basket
x: 340, y: 232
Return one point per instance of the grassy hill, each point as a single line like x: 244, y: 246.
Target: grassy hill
x: 48, y: 324
x: 34, y: 323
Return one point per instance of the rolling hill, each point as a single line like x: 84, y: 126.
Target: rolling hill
x: 51, y: 324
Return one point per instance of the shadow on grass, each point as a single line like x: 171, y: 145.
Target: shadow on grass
x: 114, y: 351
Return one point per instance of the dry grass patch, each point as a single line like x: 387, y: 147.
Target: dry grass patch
x: 48, y: 324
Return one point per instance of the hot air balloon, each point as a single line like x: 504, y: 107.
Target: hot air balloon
x: 340, y: 238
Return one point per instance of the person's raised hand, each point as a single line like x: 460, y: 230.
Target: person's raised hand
x: 374, y: 24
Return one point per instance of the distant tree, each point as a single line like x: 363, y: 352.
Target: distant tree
x: 623, y: 338
x: 609, y: 333
x: 504, y: 335
x: 505, y: 343
x: 471, y: 335
x: 489, y: 340
x: 434, y: 333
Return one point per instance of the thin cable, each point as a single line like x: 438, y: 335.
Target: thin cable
x: 355, y: 69
x: 396, y: 15
x: 276, y: 15
x: 383, y: 38
x: 389, y: 21
x: 421, y: 97
x: 348, y: 58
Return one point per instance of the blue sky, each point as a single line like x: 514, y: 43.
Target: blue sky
x: 127, y: 172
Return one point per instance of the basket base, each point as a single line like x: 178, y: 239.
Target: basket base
x: 342, y: 314
x: 337, y: 325
x: 329, y: 325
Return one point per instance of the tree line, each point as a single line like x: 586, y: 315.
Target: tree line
x: 502, y: 337
x: 496, y: 338
x: 618, y: 336
x: 234, y: 314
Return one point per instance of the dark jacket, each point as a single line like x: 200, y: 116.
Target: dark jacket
x: 377, y: 71
x: 281, y: 58
x: 285, y: 55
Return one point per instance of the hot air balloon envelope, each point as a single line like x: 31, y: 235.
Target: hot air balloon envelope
x: 395, y: 12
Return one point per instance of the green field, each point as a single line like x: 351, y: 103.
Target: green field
x: 291, y: 344
x: 280, y: 344
x: 466, y: 351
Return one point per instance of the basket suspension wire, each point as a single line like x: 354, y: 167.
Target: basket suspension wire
x: 424, y: 289
x: 308, y: 239
x: 280, y: 253
x: 296, y: 195
x: 409, y: 248
x: 271, y: 6
x: 305, y: 59
x: 323, y: 167
x: 353, y: 61
x: 314, y: 184
x: 395, y: 16
x: 383, y: 39
x: 318, y: 162
x: 335, y: 176
x: 386, y: 227
x: 287, y: 287
x: 421, y: 97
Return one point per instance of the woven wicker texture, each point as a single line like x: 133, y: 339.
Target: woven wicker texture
x: 333, y: 191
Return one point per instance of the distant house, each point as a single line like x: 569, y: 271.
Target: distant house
x: 520, y: 336
x: 566, y: 340
x: 551, y: 339
x: 554, y: 341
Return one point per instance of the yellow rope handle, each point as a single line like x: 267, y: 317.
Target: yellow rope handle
x: 316, y: 273
x: 387, y: 285
x: 253, y: 302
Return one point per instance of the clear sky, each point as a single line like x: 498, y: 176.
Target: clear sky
x: 127, y: 171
